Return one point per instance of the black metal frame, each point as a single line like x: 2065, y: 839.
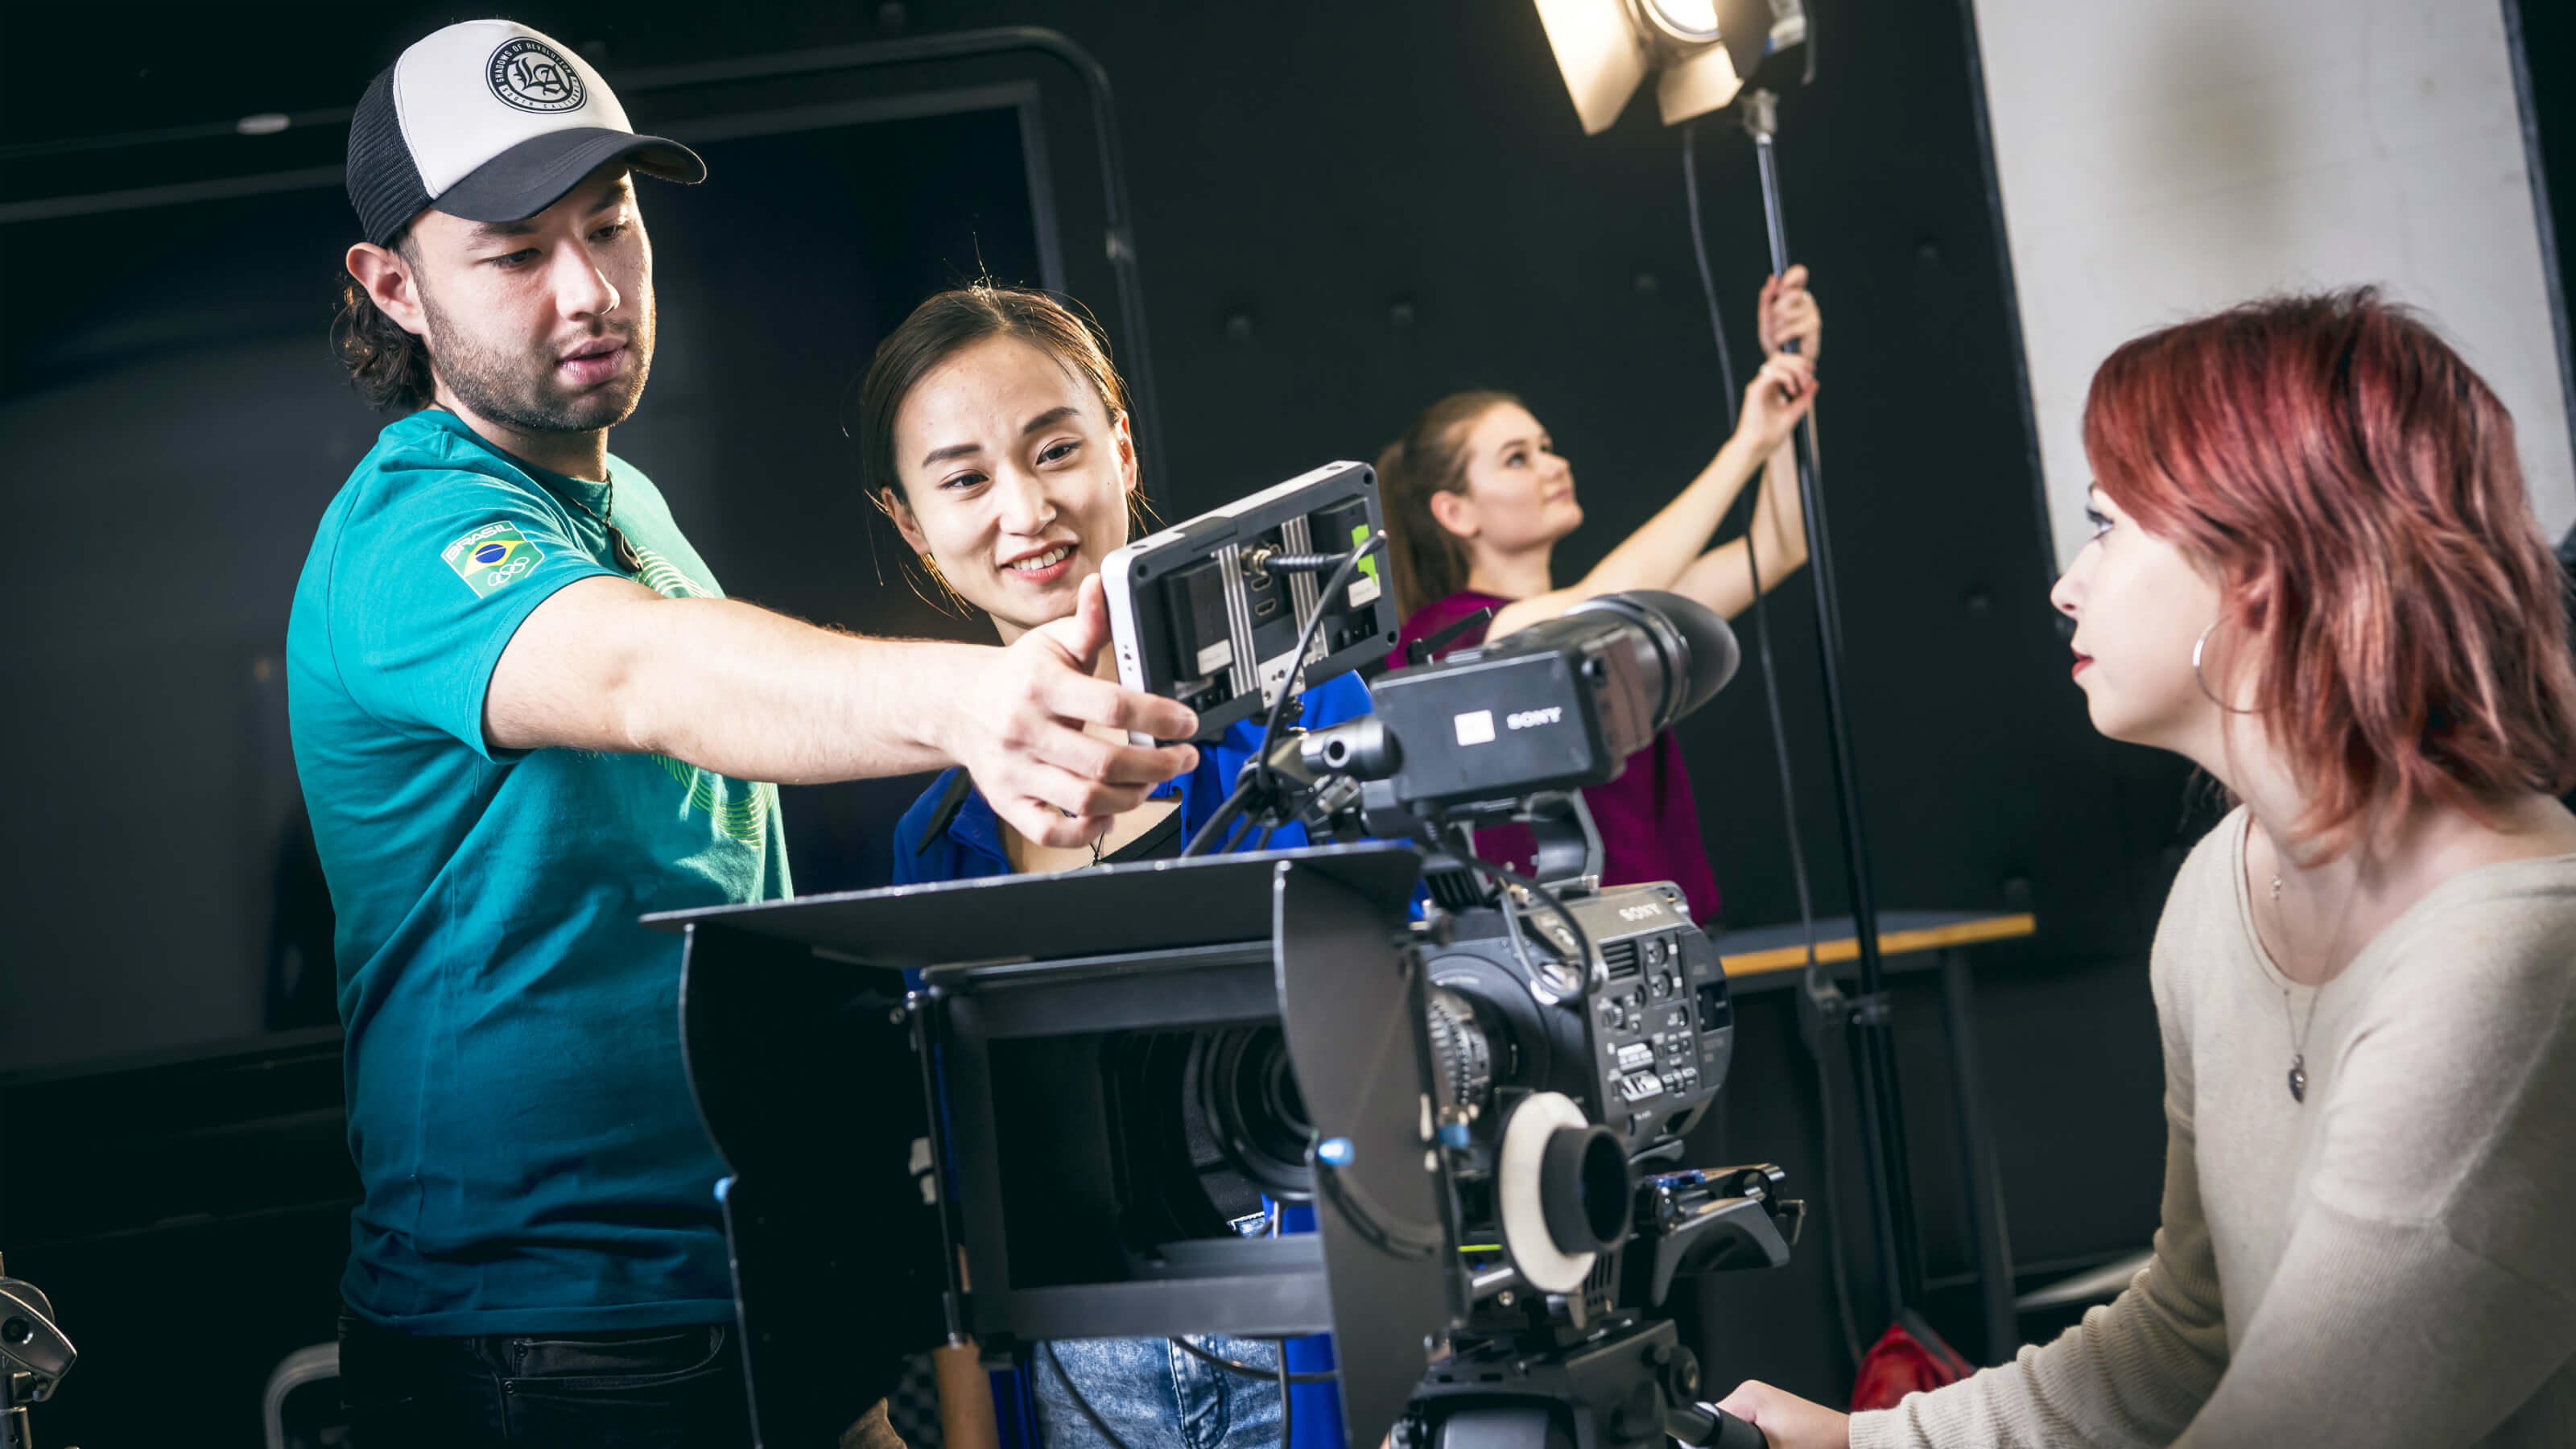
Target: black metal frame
x: 1119, y: 239
x: 797, y: 1029
x: 2518, y: 56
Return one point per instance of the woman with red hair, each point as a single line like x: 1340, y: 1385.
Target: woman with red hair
x: 2314, y: 573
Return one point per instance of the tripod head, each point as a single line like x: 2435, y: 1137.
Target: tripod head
x: 34, y: 1356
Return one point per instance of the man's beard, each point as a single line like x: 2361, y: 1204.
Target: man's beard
x: 521, y: 391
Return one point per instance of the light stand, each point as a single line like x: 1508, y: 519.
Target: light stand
x: 1874, y: 1060
x: 34, y: 1356
x: 1702, y: 54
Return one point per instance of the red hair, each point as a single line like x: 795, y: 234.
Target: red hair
x: 2353, y: 486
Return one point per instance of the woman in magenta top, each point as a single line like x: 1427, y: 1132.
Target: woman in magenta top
x: 1476, y: 501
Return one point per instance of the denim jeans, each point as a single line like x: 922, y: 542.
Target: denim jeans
x: 657, y: 1388
x: 1152, y: 1395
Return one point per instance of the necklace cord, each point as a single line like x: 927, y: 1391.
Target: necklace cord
x: 2298, y: 1031
x: 619, y: 549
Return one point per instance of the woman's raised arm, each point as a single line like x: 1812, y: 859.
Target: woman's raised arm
x: 1657, y: 555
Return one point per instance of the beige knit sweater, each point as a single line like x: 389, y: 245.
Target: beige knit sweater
x: 2393, y: 1262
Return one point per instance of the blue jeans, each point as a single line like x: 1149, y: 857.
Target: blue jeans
x: 1152, y: 1395
x: 655, y: 1388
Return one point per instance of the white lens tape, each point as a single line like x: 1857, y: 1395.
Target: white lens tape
x: 1540, y: 1116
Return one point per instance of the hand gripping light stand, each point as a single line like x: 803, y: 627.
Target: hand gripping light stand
x: 1702, y: 50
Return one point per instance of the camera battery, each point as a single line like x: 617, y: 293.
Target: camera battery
x: 1344, y: 526
x: 1194, y: 602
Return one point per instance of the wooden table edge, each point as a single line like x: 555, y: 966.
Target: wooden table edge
x: 1890, y: 943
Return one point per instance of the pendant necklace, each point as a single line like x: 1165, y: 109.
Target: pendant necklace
x: 619, y: 548
x: 2297, y: 1076
x: 2299, y: 1044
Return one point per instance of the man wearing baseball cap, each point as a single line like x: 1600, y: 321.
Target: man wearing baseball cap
x: 525, y: 714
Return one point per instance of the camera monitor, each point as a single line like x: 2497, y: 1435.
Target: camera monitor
x: 1209, y: 612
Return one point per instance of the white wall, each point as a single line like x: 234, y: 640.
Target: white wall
x: 2163, y: 158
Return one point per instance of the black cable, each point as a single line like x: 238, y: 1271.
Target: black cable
x: 1816, y: 989
x: 1341, y: 578
x: 1258, y: 774
x: 1240, y: 835
x: 1208, y: 834
x: 1287, y: 1400
x: 1253, y: 1371
x: 1079, y: 1401
x: 1546, y: 897
x: 1707, y: 283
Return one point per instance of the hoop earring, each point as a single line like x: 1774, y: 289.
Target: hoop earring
x: 2196, y: 646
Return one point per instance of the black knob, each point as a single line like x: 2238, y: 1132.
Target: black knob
x: 1461, y: 1053
x: 1681, y: 1376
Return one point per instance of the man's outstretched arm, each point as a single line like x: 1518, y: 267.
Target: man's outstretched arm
x: 607, y: 664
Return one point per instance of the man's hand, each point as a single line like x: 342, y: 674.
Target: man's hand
x: 1787, y: 313
x: 1788, y: 1421
x: 1019, y: 731
x: 1780, y: 395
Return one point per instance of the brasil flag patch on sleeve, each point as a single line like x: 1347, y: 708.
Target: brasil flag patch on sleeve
x: 491, y: 556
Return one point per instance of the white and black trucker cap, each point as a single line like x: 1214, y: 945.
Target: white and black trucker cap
x: 490, y: 121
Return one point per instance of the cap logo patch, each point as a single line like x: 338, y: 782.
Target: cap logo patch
x: 533, y: 76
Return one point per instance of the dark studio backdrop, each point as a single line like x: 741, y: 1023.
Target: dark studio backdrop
x: 1336, y: 220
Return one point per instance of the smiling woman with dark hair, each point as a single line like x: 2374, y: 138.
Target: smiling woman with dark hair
x: 995, y: 435
x: 2315, y: 574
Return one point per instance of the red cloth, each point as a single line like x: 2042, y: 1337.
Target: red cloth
x: 1649, y: 824
x: 1901, y: 1363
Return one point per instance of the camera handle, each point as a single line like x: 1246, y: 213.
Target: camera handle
x: 1526, y: 1428
x: 1569, y: 844
x: 1701, y: 1424
x: 1633, y: 1384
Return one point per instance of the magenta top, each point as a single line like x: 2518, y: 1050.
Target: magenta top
x: 1649, y: 825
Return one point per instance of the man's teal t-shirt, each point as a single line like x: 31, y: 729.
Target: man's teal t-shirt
x: 531, y: 1157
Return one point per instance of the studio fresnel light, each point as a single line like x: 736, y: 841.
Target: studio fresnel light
x: 1699, y: 50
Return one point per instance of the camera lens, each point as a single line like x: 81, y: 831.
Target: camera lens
x: 1461, y: 1055
x: 1585, y: 1189
x: 1247, y: 1093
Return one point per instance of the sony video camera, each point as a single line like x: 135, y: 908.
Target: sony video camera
x: 1077, y: 1114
